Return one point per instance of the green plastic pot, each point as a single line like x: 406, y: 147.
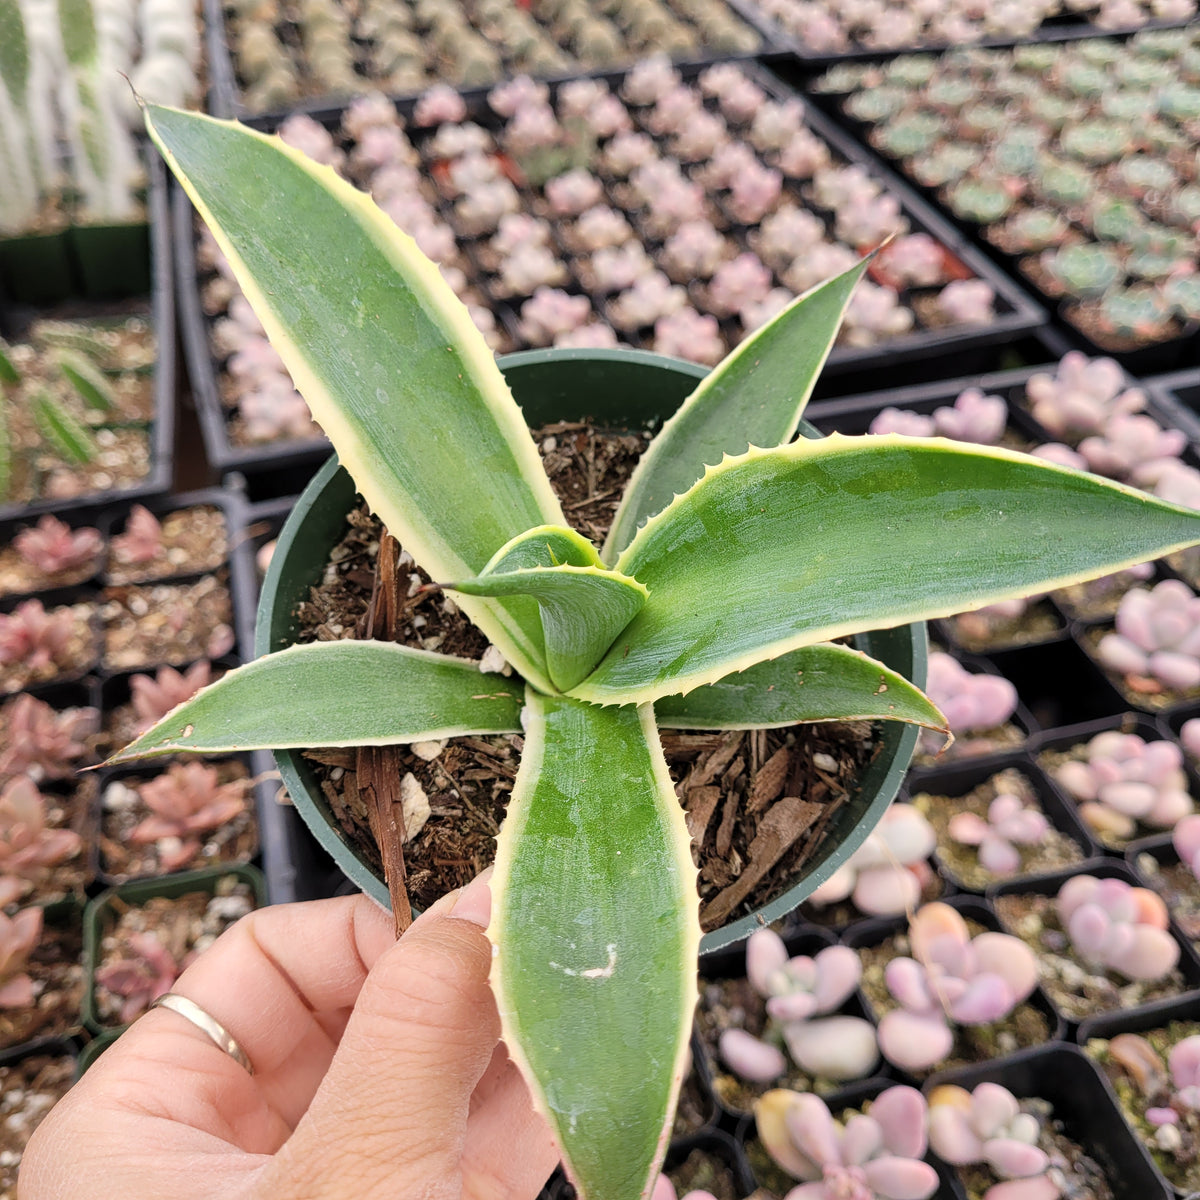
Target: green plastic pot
x: 35, y: 268
x: 616, y: 389
x: 112, y: 261
x: 99, y: 916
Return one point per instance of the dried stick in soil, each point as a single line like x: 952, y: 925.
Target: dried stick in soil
x: 377, y: 769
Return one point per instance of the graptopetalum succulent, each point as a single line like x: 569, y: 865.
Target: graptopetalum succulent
x: 728, y: 570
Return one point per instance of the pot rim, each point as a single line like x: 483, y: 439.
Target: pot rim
x: 320, y: 822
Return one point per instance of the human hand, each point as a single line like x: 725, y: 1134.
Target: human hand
x: 378, y: 1073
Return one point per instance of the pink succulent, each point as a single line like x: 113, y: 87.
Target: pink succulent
x: 915, y: 260
x: 521, y: 92
x: 952, y: 979
x: 619, y: 267
x: 384, y: 146
x: 873, y: 315
x: 452, y: 141
x: 803, y: 156
x: 967, y: 302
x: 865, y: 220
x: 1124, y: 780
x: 741, y: 99
x: 1157, y: 640
x: 532, y: 129
x: 1119, y: 927
x: 602, y: 226
x: 787, y: 233
x: 714, y: 81
x: 885, y: 875
x: 519, y: 229
x: 530, y: 267
x: 52, y: 547
x: 1010, y: 823
x: 19, y: 937
x: 480, y: 210
x: 1133, y: 448
x: 573, y: 193
x: 42, y: 743
x: 155, y: 696
x: 302, y: 133
x: 595, y: 335
x: 740, y: 281
x: 973, y: 417
x: 835, y: 186
x: 1179, y: 484
x: 550, y: 312
x: 34, y: 637
x: 371, y: 111
x: 988, y: 1126
x: 28, y: 848
x: 184, y: 801
x: 877, y: 1155
x: 142, y: 540
x: 800, y: 993
x: 675, y: 201
x: 970, y: 702
x: 754, y: 193
x: 818, y: 263
x: 1184, y: 1065
x: 730, y: 160
x: 1185, y: 837
x: 652, y: 296
x: 649, y: 79
x: 139, y: 980
x: 440, y: 104
x: 775, y: 123
x: 700, y: 138
x: 690, y: 335
x: 274, y: 410
x: 1082, y: 396
x: 673, y: 110
x: 628, y: 151
x: 758, y: 312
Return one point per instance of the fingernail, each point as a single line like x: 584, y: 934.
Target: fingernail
x: 474, y: 902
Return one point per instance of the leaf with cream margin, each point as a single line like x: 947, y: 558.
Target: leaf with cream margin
x: 825, y: 682
x: 594, y: 916
x: 383, y: 352
x: 782, y: 548
x: 582, y: 609
x: 346, y: 693
x: 754, y: 397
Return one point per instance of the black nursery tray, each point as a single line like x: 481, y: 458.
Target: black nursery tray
x: 227, y: 94
x: 1064, y: 26
x: 160, y: 309
x: 927, y: 350
x: 1173, y: 345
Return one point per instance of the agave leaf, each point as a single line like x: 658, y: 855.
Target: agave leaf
x: 594, y: 917
x: 782, y: 548
x: 384, y: 353
x: 825, y: 682
x: 546, y: 546
x: 582, y: 609
x: 354, y: 694
x: 69, y: 437
x: 90, y: 382
x: 753, y: 398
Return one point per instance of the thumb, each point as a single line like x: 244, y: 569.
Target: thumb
x: 392, y: 1109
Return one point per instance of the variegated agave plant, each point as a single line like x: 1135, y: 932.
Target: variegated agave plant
x: 722, y: 559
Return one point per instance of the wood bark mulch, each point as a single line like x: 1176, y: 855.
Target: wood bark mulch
x: 758, y: 802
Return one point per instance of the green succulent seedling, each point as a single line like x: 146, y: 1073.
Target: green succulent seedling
x: 980, y: 200
x: 735, y: 558
x: 1182, y: 293
x: 72, y: 440
x: 1137, y: 312
x: 93, y: 386
x: 1096, y: 141
x: 8, y: 369
x: 1085, y: 269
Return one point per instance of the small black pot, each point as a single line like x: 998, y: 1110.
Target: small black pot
x: 1082, y: 1100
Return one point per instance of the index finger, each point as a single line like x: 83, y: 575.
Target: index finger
x: 282, y: 981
